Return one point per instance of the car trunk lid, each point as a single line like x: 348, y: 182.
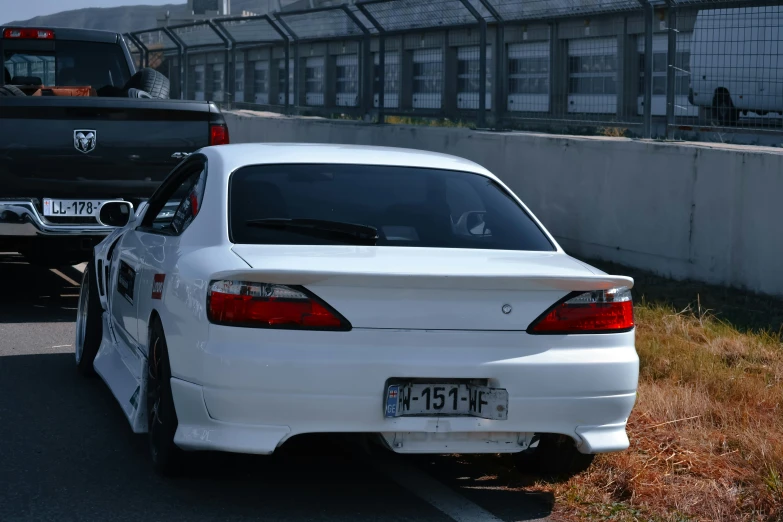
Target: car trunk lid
x: 425, y: 288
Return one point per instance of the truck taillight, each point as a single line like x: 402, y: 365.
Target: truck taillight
x: 264, y: 305
x: 218, y: 135
x: 28, y: 33
x: 601, y: 311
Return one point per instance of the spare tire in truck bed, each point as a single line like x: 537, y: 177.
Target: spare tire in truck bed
x: 151, y: 81
x: 10, y: 90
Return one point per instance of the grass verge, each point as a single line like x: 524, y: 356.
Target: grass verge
x: 707, y: 429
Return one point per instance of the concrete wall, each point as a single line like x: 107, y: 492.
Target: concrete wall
x: 709, y: 213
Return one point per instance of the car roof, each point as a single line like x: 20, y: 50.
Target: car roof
x: 235, y: 156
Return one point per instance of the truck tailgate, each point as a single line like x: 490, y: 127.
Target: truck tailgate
x: 134, y: 140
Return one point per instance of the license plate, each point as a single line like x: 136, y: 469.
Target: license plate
x: 403, y: 400
x: 71, y: 207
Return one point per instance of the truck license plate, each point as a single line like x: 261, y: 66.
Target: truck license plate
x: 71, y: 207
x: 404, y: 400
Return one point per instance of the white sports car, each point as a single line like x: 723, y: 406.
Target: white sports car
x: 267, y: 291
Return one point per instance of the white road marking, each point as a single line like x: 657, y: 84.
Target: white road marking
x: 62, y: 346
x: 433, y: 492
x: 80, y: 267
x: 68, y: 279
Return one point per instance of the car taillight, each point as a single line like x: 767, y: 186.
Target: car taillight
x: 218, y: 135
x: 601, y: 311
x: 263, y: 305
x: 27, y: 33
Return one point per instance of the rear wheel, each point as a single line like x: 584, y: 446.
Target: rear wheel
x: 162, y: 421
x: 554, y: 456
x: 723, y: 109
x: 89, y: 326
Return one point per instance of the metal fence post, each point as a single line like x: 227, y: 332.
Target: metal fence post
x: 180, y: 58
x: 226, y: 59
x: 381, y: 60
x: 482, y: 107
x: 230, y: 77
x: 143, y: 51
x: 649, y: 14
x: 499, y: 57
x: 293, y: 35
x: 671, y: 69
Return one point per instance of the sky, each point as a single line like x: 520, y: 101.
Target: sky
x: 23, y: 9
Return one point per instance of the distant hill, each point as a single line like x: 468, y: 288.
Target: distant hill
x: 123, y: 19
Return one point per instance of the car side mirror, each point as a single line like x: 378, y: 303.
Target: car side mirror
x: 116, y: 213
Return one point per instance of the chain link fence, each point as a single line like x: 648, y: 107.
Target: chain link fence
x: 650, y: 68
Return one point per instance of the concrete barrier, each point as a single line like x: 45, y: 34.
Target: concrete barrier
x: 711, y: 213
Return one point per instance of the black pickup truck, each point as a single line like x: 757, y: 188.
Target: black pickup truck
x: 79, y: 126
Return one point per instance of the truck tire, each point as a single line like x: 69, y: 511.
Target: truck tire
x: 723, y: 109
x: 10, y: 90
x: 151, y: 81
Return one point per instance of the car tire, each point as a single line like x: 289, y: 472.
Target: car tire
x: 89, y: 322
x: 11, y: 90
x: 150, y: 81
x: 167, y: 458
x: 555, y: 456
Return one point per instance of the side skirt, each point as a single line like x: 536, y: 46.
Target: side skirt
x: 124, y: 370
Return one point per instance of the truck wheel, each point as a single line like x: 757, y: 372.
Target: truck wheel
x: 555, y: 456
x: 89, y: 325
x: 723, y: 109
x: 11, y: 90
x: 167, y: 458
x: 151, y: 81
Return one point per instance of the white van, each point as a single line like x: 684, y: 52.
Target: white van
x: 735, y: 62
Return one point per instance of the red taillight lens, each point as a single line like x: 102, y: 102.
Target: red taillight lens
x: 218, y: 135
x: 29, y: 33
x: 602, y: 311
x: 262, y: 305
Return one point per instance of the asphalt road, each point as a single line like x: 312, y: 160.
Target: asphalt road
x: 67, y: 453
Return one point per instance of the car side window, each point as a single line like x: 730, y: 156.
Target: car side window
x: 178, y: 208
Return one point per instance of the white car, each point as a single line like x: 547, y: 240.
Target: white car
x: 343, y: 289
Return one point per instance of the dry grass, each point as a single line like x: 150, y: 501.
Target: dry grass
x: 706, y: 433
x: 612, y: 132
x: 707, y: 430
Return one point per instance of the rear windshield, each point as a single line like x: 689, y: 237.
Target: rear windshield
x: 408, y: 206
x: 71, y: 64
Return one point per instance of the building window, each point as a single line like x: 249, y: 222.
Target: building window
x: 428, y: 77
x: 281, y: 81
x: 198, y: 78
x: 218, y: 73
x: 391, y: 79
x: 682, y: 68
x: 528, y: 75
x: 314, y: 81
x: 596, y: 74
x: 239, y: 77
x: 469, y: 70
x: 314, y: 78
x: 347, y: 73
x: 261, y: 77
x: 391, y: 76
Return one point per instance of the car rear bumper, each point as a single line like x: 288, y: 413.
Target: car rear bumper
x: 249, y: 396
x: 20, y: 218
